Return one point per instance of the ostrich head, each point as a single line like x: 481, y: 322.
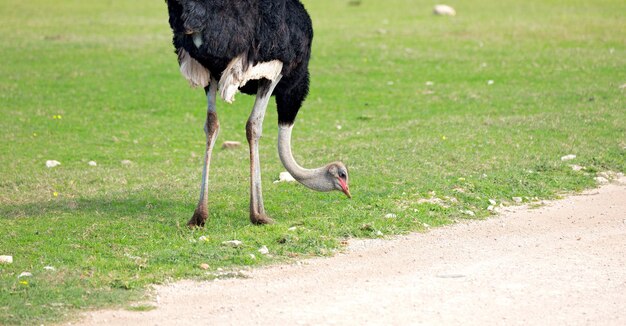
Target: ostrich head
x: 332, y: 176
x: 337, y: 175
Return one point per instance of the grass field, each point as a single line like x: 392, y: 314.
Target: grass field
x: 400, y: 95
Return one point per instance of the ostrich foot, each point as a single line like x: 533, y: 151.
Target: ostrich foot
x: 260, y: 219
x: 198, y: 219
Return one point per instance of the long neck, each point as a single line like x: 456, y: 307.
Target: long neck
x: 312, y: 178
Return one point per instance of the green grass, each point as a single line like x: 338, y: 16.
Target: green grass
x: 108, y: 69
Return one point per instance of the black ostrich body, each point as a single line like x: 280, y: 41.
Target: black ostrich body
x: 259, y: 47
x: 261, y: 30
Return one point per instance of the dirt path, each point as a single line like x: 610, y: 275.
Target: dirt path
x: 562, y: 264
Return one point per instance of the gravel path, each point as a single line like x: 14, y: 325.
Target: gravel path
x: 562, y: 264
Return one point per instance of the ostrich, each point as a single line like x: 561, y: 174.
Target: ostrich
x: 258, y: 47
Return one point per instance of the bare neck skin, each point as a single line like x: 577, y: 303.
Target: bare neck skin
x: 316, y: 179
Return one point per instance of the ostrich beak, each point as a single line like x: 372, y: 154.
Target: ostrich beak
x: 344, y: 188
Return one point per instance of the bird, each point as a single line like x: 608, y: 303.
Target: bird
x: 260, y: 48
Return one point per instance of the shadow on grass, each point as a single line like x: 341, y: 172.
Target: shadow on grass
x: 169, y: 213
x: 99, y: 206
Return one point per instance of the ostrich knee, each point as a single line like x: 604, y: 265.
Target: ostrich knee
x: 211, y: 127
x: 253, y: 131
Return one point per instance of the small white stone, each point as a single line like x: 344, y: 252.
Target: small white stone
x: 577, y: 167
x: 379, y: 234
x: 285, y: 177
x: 491, y: 208
x: 493, y: 202
x: 602, y: 180
x: 338, y: 127
x: 426, y: 225
x: 444, y: 10
x: 429, y: 83
x: 25, y: 274
x: 517, y: 199
x: 490, y: 82
x: 434, y: 201
x: 568, y: 157
x: 52, y: 163
x: 49, y: 268
x: 233, y: 243
x: 126, y: 162
x: 264, y: 250
x: 391, y: 215
x: 470, y: 213
x: 203, y: 238
x: 231, y: 144
x: 6, y: 259
x: 293, y: 228
x: 92, y: 163
x: 252, y: 256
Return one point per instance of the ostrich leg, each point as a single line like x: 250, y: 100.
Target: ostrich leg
x: 254, y: 128
x: 211, y: 129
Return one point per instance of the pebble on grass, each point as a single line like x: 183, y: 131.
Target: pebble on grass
x: 52, y: 163
x: 444, y: 10
x: 517, y: 199
x: 568, y: 157
x: 92, y: 163
x: 233, y: 243
x: 285, y: 177
x: 25, y: 274
x: 469, y: 213
x: 602, y: 180
x: 577, y: 167
x: 231, y: 144
x: 6, y: 259
x: 264, y: 250
x: 434, y: 201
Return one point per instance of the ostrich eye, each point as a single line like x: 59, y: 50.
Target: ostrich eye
x: 342, y: 175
